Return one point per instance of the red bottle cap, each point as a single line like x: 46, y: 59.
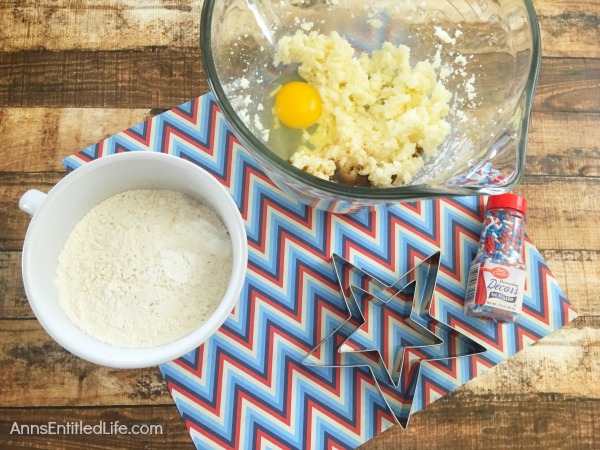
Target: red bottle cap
x: 508, y: 201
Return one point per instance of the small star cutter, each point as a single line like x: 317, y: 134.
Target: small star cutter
x: 398, y: 385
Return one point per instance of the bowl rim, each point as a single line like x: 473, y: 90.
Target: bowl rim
x: 133, y: 358
x: 354, y: 193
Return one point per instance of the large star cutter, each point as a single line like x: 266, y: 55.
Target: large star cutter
x: 394, y: 360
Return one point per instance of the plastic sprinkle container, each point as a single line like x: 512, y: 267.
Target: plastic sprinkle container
x: 497, y: 275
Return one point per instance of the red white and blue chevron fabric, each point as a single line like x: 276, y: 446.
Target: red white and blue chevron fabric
x: 246, y: 388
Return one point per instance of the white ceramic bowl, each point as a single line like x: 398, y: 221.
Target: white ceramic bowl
x: 56, y: 214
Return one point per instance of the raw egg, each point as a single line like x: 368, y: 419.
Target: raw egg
x: 298, y: 105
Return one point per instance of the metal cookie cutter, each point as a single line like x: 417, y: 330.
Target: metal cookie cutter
x: 395, y: 357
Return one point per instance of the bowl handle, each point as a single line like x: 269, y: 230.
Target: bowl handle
x: 31, y: 201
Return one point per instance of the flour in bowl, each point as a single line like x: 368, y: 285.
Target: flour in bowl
x: 144, y: 268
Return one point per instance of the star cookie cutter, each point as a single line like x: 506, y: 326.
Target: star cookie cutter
x: 407, y: 301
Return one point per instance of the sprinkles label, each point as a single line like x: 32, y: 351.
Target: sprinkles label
x: 496, y: 286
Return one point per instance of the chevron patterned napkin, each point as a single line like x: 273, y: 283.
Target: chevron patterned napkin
x: 247, y: 387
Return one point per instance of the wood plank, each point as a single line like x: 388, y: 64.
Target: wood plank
x: 13, y: 303
x: 564, y: 144
x: 560, y: 144
x: 126, y: 24
x: 133, y: 56
x: 171, y: 434
x: 153, y: 78
x: 489, y: 415
x: 569, y: 28
x: 559, y: 212
x: 568, y: 85
x: 13, y: 221
x: 561, y: 364
x: 522, y: 422
x: 555, y: 221
x: 575, y: 271
x: 165, y: 77
x: 36, y: 371
x: 39, y: 138
x: 532, y: 422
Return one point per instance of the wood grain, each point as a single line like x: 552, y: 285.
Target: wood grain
x: 152, y: 78
x: 165, y: 77
x: 576, y: 271
x: 559, y: 211
x: 560, y: 144
x: 554, y: 220
x: 39, y: 138
x: 564, y: 144
x: 14, y: 303
x: 568, y: 28
x: 547, y: 367
x: 578, y: 274
x: 29, y: 358
x: 523, y: 422
x: 506, y: 422
x: 568, y: 85
x: 73, y: 73
x: 126, y: 24
x: 13, y: 222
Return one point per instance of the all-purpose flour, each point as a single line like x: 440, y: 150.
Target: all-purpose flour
x: 144, y: 268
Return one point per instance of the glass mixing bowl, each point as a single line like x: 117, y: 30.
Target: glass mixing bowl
x: 490, y: 52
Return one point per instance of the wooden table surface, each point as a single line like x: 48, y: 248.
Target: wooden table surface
x: 73, y: 72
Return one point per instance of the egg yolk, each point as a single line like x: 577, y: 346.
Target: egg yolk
x: 298, y: 105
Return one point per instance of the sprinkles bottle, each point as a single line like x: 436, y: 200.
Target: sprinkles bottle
x: 497, y: 275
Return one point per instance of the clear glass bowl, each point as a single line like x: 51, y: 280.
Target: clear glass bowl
x: 493, y: 43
